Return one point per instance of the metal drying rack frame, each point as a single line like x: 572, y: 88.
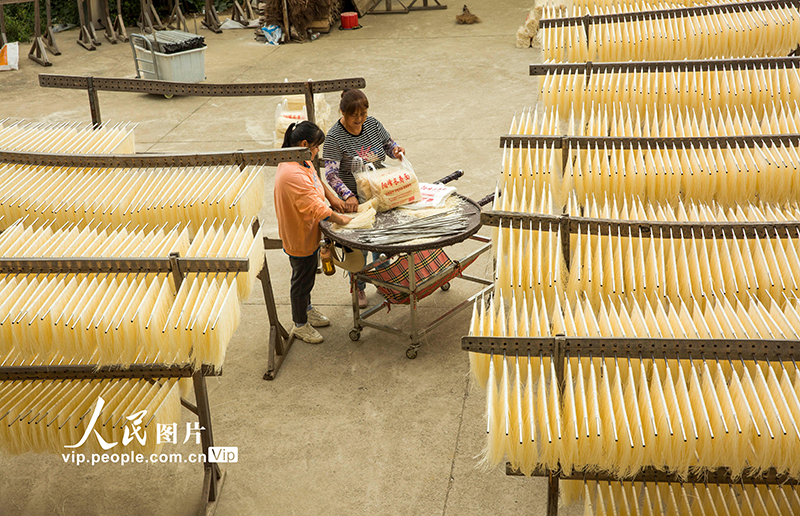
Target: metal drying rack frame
x: 561, y: 347
x: 260, y: 89
x: 241, y: 159
x: 569, y: 224
x: 662, y: 66
x: 682, y: 12
x: 279, y: 339
x: 214, y: 476
x: 568, y: 143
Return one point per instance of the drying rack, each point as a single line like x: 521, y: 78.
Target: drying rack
x: 682, y: 12
x: 661, y: 66
x: 177, y: 267
x: 114, y: 31
x: 37, y: 52
x: 150, y: 21
x: 260, y: 89
x: 388, y: 7
x: 568, y: 143
x: 560, y: 347
x: 280, y: 342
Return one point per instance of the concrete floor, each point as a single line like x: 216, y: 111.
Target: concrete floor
x: 347, y: 427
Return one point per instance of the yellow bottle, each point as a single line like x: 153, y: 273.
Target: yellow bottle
x: 326, y: 257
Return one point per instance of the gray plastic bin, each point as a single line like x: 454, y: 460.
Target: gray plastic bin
x: 186, y: 66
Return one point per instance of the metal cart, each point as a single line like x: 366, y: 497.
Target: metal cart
x: 405, y: 274
x: 152, y: 62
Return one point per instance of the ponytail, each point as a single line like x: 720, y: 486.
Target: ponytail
x: 307, y: 131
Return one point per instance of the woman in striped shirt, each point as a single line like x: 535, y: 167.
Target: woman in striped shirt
x: 355, y: 135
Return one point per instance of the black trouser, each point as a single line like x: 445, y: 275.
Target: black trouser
x: 304, y: 271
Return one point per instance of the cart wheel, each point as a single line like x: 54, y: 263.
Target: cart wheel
x: 167, y: 96
x: 355, y: 335
x: 411, y: 353
x: 446, y: 286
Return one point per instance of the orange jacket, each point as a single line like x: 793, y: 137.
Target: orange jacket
x: 300, y: 206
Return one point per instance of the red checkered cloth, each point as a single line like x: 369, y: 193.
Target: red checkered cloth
x: 427, y: 263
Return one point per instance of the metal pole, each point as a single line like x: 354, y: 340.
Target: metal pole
x: 412, y: 287
x: 269, y: 299
x: 94, y: 103
x: 206, y: 434
x: 354, y: 296
x: 310, y: 108
x: 559, y: 355
x: 566, y: 239
x: 177, y: 275
x: 552, y: 494
x: 277, y: 347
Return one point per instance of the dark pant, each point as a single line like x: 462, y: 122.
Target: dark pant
x: 304, y: 272
x: 363, y: 284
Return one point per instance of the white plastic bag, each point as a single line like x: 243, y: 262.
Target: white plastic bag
x: 361, y: 173
x: 9, y: 57
x: 433, y: 196
x: 273, y: 33
x: 285, y: 117
x: 292, y: 109
x: 394, y: 186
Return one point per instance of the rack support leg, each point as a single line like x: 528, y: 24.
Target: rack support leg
x: 214, y: 475
x: 552, y: 495
x: 279, y: 340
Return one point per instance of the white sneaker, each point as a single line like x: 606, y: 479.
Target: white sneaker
x: 307, y: 333
x: 316, y: 319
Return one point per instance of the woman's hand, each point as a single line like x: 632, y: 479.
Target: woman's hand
x: 340, y: 219
x: 398, y: 152
x: 351, y: 204
x: 338, y: 204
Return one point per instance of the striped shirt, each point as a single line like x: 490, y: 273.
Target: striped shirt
x: 372, y: 145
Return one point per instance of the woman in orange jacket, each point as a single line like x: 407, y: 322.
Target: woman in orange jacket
x: 300, y: 207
